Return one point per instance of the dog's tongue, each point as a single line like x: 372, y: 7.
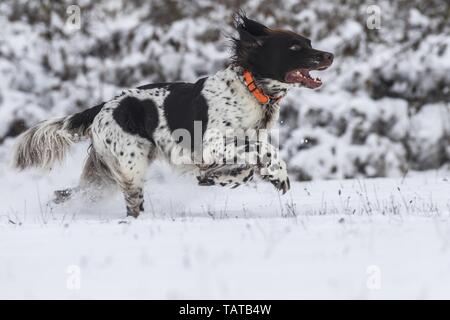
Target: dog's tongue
x: 302, y: 76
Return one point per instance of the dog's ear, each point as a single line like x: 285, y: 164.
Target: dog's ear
x: 251, y: 37
x: 249, y: 41
x: 245, y: 25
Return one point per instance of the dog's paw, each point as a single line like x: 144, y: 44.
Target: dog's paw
x: 282, y: 186
x: 277, y: 174
x: 127, y: 220
x: 62, y: 196
x: 205, y: 181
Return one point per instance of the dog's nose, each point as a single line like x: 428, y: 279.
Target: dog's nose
x: 328, y: 57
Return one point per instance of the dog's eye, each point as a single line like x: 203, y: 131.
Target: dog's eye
x: 295, y: 47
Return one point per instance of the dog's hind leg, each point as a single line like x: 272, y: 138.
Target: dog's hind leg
x: 122, y: 134
x: 96, y: 174
x: 95, y: 178
x: 129, y: 172
x: 130, y: 178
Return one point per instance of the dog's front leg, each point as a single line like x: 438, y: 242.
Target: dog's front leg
x: 271, y: 167
x: 251, y: 157
x: 226, y: 175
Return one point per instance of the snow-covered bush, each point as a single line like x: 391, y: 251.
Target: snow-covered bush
x: 344, y: 136
x: 429, y: 138
x: 384, y: 106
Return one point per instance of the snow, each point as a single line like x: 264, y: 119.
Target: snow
x: 426, y: 135
x: 417, y: 19
x: 437, y: 123
x: 324, y: 239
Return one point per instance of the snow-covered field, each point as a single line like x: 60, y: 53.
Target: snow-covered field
x: 371, y: 238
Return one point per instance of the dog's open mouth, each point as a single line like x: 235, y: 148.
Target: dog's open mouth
x: 303, y: 77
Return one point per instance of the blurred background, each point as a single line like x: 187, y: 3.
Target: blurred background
x: 384, y: 108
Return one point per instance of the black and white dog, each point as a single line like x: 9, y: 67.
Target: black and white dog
x: 188, y: 124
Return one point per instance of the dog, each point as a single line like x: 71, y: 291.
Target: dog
x: 187, y: 121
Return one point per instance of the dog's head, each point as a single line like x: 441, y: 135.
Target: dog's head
x: 277, y: 54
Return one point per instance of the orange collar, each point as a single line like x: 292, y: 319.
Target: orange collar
x: 257, y: 92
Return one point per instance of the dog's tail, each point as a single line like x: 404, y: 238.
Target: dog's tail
x: 49, y: 141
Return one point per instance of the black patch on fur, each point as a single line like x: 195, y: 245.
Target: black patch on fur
x: 184, y: 105
x: 84, y: 119
x: 137, y: 117
x: 155, y: 86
